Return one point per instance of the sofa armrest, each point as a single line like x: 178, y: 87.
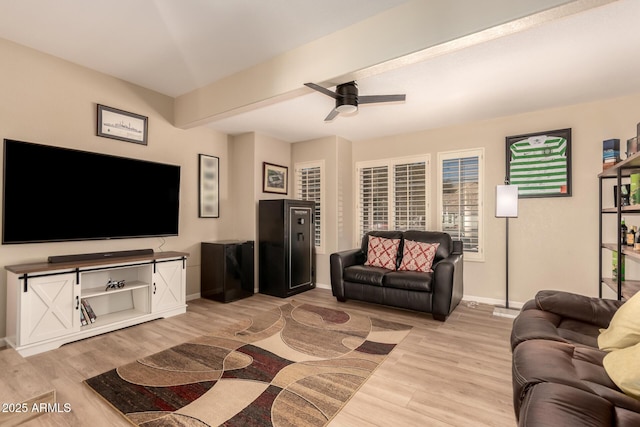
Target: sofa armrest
x: 447, y: 283
x: 597, y: 311
x: 338, y: 262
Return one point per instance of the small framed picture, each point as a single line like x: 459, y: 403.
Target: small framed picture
x: 122, y: 125
x: 540, y: 163
x: 209, y: 173
x: 274, y: 178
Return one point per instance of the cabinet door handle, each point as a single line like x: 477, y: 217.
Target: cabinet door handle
x: 77, y: 302
x: 154, y: 288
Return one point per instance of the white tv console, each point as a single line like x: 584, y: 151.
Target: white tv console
x: 44, y: 299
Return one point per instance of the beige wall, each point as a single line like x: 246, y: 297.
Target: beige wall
x: 242, y: 177
x: 248, y: 153
x: 554, y: 241
x: 50, y: 101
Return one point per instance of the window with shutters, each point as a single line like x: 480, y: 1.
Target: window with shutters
x: 392, y: 195
x: 309, y: 185
x: 460, y: 189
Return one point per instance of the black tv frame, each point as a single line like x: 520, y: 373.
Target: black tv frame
x: 55, y: 194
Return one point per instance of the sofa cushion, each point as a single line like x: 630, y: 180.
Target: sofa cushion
x: 624, y: 329
x: 418, y: 256
x: 532, y: 324
x: 582, y: 368
x: 595, y: 311
x: 380, y: 233
x: 382, y: 252
x: 549, y: 404
x: 623, y: 367
x: 409, y: 280
x: 366, y: 275
x: 446, y: 243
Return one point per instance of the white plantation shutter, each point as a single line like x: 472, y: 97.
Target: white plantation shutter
x: 309, y: 187
x: 374, y: 199
x: 461, y: 198
x: 392, y: 195
x: 410, y: 196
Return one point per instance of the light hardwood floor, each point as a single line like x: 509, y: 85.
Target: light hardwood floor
x: 456, y: 373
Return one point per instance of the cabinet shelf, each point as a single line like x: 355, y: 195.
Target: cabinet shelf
x: 96, y: 292
x: 629, y: 287
x: 626, y: 250
x: 114, y: 318
x: 626, y: 209
x: 625, y: 167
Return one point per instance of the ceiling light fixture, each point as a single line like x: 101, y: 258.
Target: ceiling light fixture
x: 346, y: 108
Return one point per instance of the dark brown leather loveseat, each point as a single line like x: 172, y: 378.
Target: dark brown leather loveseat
x: 558, y: 374
x: 437, y: 292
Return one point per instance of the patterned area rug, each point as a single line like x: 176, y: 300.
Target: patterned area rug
x: 297, y: 365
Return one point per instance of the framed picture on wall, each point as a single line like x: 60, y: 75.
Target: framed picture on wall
x: 540, y: 163
x: 274, y: 178
x: 122, y: 125
x: 209, y: 180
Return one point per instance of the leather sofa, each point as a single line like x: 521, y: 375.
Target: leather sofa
x: 558, y: 374
x: 437, y: 292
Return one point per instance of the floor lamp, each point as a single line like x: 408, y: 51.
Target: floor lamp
x: 506, y: 207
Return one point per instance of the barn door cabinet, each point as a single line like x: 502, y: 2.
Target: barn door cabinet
x: 45, y: 300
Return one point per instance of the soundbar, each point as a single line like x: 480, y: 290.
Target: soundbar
x: 99, y: 255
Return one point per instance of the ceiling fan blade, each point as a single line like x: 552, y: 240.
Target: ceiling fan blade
x: 380, y: 98
x: 332, y: 115
x: 322, y: 90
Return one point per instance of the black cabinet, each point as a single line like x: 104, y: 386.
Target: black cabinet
x: 286, y: 246
x: 226, y: 272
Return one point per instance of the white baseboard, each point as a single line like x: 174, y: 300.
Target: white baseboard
x: 492, y: 301
x: 506, y: 312
x: 193, y: 296
x: 323, y: 286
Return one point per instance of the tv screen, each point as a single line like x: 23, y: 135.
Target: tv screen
x: 53, y: 194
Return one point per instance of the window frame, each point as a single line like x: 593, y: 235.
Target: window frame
x: 459, y: 154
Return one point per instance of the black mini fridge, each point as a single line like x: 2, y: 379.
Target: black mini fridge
x: 226, y: 272
x: 286, y: 246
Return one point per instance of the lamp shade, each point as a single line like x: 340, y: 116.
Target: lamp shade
x: 506, y: 201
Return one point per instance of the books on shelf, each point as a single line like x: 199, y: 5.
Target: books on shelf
x: 610, y: 153
x: 83, y: 320
x: 88, y: 311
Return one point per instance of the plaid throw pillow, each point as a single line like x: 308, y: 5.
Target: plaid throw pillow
x: 382, y: 252
x: 418, y: 256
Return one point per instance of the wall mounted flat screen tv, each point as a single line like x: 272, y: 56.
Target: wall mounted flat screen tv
x: 53, y: 194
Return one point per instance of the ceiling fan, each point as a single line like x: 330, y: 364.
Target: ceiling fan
x: 347, y: 98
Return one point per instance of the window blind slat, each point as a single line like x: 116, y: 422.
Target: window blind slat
x: 309, y: 188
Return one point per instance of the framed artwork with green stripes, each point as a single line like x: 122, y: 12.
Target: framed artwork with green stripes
x: 540, y: 163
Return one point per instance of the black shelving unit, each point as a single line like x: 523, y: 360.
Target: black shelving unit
x: 615, y: 175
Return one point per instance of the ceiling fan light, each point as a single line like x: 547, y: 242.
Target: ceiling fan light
x: 346, y: 108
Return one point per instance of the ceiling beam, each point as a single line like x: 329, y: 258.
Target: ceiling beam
x: 410, y: 33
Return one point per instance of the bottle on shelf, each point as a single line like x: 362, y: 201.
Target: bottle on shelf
x: 623, y: 232
x: 637, y: 244
x: 631, y: 236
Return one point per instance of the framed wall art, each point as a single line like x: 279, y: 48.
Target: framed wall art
x: 540, y: 163
x: 209, y: 180
x: 274, y: 178
x: 122, y: 125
